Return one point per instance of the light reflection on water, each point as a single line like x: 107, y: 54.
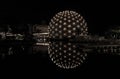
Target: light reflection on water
x: 66, y: 54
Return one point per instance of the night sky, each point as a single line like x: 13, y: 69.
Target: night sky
x: 99, y: 15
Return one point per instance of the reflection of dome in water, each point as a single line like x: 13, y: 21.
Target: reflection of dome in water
x: 66, y: 24
x: 113, y: 32
x: 66, y: 55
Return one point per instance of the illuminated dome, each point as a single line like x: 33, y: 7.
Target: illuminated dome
x: 66, y: 24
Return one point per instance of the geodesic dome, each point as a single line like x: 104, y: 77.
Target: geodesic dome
x: 66, y: 24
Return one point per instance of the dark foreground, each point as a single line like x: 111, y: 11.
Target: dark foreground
x: 40, y: 66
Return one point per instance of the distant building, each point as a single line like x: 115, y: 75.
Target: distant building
x: 113, y: 33
x: 40, y: 28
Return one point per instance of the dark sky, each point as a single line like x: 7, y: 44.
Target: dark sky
x: 98, y: 14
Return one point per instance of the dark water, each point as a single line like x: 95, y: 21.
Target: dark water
x: 39, y: 65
